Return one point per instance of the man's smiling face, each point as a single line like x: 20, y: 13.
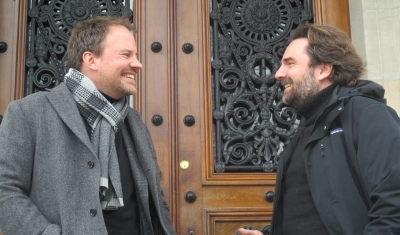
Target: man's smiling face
x: 118, y: 64
x: 296, y: 75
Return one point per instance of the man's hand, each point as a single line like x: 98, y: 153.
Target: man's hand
x: 249, y: 232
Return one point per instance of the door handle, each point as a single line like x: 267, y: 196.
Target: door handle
x: 3, y: 47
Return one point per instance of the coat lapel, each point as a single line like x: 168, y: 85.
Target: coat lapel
x: 63, y: 102
x: 145, y: 152
x: 147, y: 158
x: 141, y: 141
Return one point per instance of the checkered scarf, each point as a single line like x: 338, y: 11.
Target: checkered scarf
x: 104, y: 119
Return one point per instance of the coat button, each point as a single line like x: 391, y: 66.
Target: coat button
x: 90, y: 164
x: 93, y: 212
x: 324, y: 128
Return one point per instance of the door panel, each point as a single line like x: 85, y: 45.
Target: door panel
x: 178, y: 84
x: 227, y: 220
x: 156, y: 94
x: 189, y: 100
x: 332, y: 12
x: 12, y: 25
x: 8, y: 35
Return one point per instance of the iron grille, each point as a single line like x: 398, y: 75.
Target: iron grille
x: 49, y: 26
x: 251, y: 124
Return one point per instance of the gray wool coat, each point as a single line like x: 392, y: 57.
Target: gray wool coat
x: 46, y: 186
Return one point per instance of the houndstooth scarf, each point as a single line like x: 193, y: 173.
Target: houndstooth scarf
x: 104, y: 119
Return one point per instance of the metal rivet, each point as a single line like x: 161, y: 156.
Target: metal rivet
x: 187, y: 48
x: 157, y: 120
x: 3, y: 47
x: 156, y: 47
x: 269, y: 196
x: 190, y: 197
x: 189, y: 120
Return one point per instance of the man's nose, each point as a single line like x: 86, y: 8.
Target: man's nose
x: 136, y: 64
x: 279, y: 75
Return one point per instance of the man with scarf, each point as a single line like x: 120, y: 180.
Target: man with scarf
x: 340, y: 174
x: 77, y: 159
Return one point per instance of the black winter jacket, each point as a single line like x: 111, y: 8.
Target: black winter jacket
x: 352, y: 161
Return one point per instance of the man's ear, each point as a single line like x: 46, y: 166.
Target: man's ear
x: 89, y: 60
x: 324, y: 71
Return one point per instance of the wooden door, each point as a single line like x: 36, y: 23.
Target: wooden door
x: 12, y: 39
x: 175, y: 100
x: 176, y: 85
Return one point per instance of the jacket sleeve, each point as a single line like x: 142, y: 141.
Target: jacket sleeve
x: 376, y: 132
x: 18, y: 214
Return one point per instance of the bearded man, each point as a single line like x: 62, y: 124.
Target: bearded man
x: 339, y: 174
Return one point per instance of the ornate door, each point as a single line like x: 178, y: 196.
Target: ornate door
x: 208, y: 96
x: 10, y: 51
x: 206, y: 92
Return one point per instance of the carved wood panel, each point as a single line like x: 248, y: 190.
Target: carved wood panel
x: 12, y: 32
x: 175, y: 84
x: 228, y: 220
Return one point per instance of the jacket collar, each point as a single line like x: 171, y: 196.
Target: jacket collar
x: 341, y: 95
x: 142, y: 140
x: 63, y: 102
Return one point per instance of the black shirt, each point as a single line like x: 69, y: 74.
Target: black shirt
x: 124, y: 220
x: 300, y: 215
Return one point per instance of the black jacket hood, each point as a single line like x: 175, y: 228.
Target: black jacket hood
x: 364, y: 87
x: 370, y: 89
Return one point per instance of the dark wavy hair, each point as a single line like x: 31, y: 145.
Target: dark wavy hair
x: 89, y: 35
x: 331, y: 45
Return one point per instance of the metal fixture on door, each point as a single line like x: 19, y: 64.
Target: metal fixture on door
x: 189, y: 120
x: 157, y: 120
x: 3, y: 47
x: 187, y: 48
x: 190, y: 197
x: 156, y: 47
x: 269, y: 196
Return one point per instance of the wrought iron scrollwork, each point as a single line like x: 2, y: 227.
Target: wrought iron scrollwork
x: 49, y: 26
x: 251, y: 124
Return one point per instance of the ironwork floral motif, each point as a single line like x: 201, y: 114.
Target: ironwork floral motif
x: 251, y: 124
x: 50, y: 24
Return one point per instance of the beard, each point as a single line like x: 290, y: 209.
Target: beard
x: 301, y: 90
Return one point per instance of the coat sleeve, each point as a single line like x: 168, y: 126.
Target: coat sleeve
x: 18, y: 214
x: 376, y: 132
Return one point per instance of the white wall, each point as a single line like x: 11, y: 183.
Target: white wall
x: 375, y: 31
